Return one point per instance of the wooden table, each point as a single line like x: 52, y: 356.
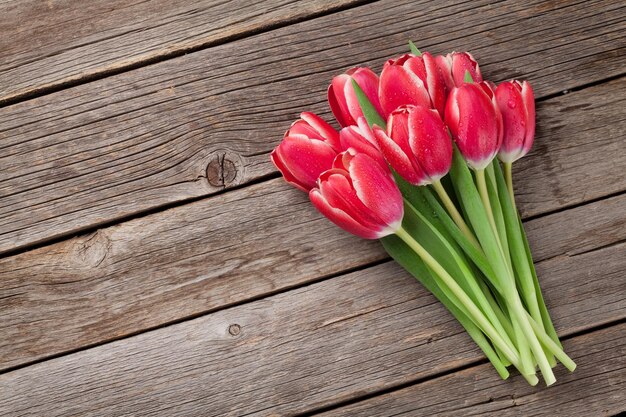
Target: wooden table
x: 153, y: 262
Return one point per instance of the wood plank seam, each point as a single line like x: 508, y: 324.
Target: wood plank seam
x: 289, y: 333
x: 571, y: 206
x: 180, y: 320
x: 134, y: 216
x: 417, y: 381
x: 167, y: 55
x: 286, y: 289
x: 512, y: 399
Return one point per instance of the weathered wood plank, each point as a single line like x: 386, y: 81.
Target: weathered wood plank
x: 129, y: 143
x: 307, y: 348
x: 578, y: 230
x: 174, y: 264
x: 57, y: 42
x: 206, y: 255
x: 574, y: 158
x: 598, y: 387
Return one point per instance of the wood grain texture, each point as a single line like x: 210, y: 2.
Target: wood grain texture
x: 310, y: 347
x: 125, y: 144
x: 210, y: 254
x: 596, y: 388
x: 578, y: 230
x: 57, y: 42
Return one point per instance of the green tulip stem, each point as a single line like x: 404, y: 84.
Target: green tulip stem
x: 551, y: 345
x: 516, y: 309
x: 484, y: 196
x: 508, y: 176
x: 447, y: 280
x: 454, y: 213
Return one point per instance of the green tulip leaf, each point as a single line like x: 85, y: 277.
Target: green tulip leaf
x: 369, y: 111
x: 414, y: 49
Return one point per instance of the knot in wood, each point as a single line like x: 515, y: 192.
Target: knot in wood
x: 234, y: 329
x: 221, y: 171
x: 93, y: 249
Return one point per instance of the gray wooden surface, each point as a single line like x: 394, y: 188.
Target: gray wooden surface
x: 152, y: 263
x: 57, y: 44
x: 110, y: 149
x: 597, y: 388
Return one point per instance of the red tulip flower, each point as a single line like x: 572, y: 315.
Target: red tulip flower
x: 308, y: 149
x: 411, y: 79
x: 361, y: 138
x: 360, y: 196
x: 454, y: 65
x: 342, y: 98
x: 474, y: 123
x: 416, y: 144
x: 516, y: 102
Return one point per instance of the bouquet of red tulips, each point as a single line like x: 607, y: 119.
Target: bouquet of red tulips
x: 415, y: 166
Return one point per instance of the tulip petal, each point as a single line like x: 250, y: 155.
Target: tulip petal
x: 513, y: 111
x: 416, y: 65
x: 401, y: 87
x: 338, y: 190
x: 302, y: 128
x: 366, y: 131
x: 337, y: 101
x: 301, y: 160
x: 351, y: 137
x: 445, y: 66
x: 528, y: 97
x: 461, y: 62
x: 326, y: 131
x: 430, y: 144
x: 435, y: 83
x: 369, y: 83
x: 472, y: 120
x: 340, y: 218
x: 375, y: 187
x: 397, y: 158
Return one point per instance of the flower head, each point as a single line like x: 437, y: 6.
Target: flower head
x: 342, y: 97
x: 359, y: 195
x: 416, y: 144
x: 475, y: 123
x: 516, y: 102
x: 307, y: 149
x: 415, y: 80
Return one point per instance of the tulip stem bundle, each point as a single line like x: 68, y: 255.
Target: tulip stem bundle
x: 414, y: 166
x: 464, y: 301
x: 452, y: 210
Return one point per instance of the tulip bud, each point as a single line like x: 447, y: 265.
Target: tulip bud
x: 454, y: 65
x: 361, y: 139
x: 412, y: 80
x: 360, y: 196
x: 342, y: 98
x: 416, y: 144
x: 475, y: 123
x: 308, y: 149
x: 517, y: 105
